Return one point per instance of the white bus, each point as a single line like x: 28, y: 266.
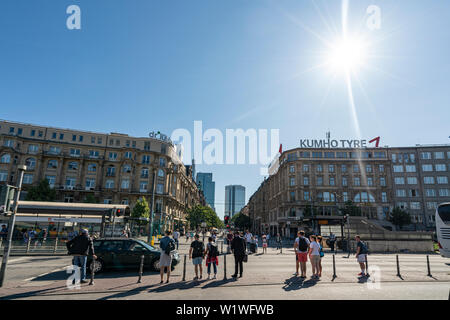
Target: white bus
x: 443, y: 228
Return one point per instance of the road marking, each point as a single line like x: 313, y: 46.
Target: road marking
x: 46, y: 273
x: 18, y: 259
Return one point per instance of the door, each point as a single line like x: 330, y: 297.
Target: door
x: 115, y: 254
x: 135, y: 251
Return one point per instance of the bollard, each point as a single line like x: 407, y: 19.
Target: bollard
x: 398, y: 268
x: 141, y: 269
x: 221, y: 248
x: 28, y: 244
x: 56, y: 245
x: 334, y: 268
x: 184, y: 269
x: 224, y: 267
x: 367, y: 267
x: 428, y: 267
x: 281, y: 246
x: 91, y: 283
x: 1, y: 241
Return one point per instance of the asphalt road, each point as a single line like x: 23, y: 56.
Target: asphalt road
x: 266, y: 276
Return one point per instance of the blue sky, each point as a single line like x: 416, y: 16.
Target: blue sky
x: 143, y: 65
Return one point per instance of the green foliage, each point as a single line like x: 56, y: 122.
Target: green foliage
x: 350, y: 209
x: 307, y: 211
x: 399, y: 217
x: 241, y: 221
x: 199, y: 214
x: 141, y: 210
x: 41, y: 192
x: 90, y: 199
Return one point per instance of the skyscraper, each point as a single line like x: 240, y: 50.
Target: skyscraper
x: 204, y: 180
x: 234, y: 199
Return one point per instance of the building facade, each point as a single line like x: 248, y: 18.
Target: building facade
x: 321, y: 181
x: 208, y: 186
x: 110, y: 168
x: 234, y: 199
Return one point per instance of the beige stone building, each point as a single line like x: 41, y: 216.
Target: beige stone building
x: 113, y: 168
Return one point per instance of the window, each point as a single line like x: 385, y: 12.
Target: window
x: 402, y: 205
x: 428, y: 180
x: 332, y: 181
x: 112, y: 156
x: 368, y: 168
x: 400, y: 193
x: 411, y: 180
x: 329, y: 154
x: 93, y: 154
x: 439, y: 155
x: 111, y: 171
x: 73, y: 165
x: 292, y: 181
x: 126, y: 168
x: 317, y: 154
x: 356, y: 181
x: 345, y: 196
x: 27, y: 178
x: 117, y: 142
x: 398, y: 168
x: 133, y: 144
x: 379, y: 154
x: 6, y: 158
x: 109, y: 184
x: 410, y: 168
x: 80, y: 138
x: 442, y: 180
x: 143, y: 186
x: 92, y: 167
x: 51, y: 181
x: 306, y: 181
x: 306, y: 196
x: 331, y: 168
x: 128, y: 155
x: 431, y: 205
x: 61, y: 136
x: 54, y: 150
x: 107, y: 200
x: 394, y: 158
x: 3, y: 175
x: 306, y: 168
x: 399, y: 180
x: 52, y: 164
x: 355, y: 168
x: 319, y: 181
x: 159, y: 188
x: 364, y: 197
x: 90, y: 183
x: 415, y: 205
x: 74, y: 137
x: 32, y: 148
x: 444, y: 192
x: 344, y: 181
x: 440, y: 167
x: 383, y: 181
x: 162, y: 162
x: 292, y: 196
x: 319, y: 168
x: 344, y: 168
x: 144, y: 173
x: 370, y: 181
x: 125, y: 184
x: 125, y: 201
x: 75, y: 152
x: 304, y: 154
x: 430, y: 192
x: 425, y: 155
x: 111, y: 142
x: 147, y: 146
x: 341, y: 155
x: 291, y: 168
x: 40, y: 133
x: 70, y: 182
x: 54, y: 135
x: 30, y: 163
x: 145, y: 159
x: 92, y: 140
x: 413, y: 193
x: 383, y: 197
x: 99, y: 140
x: 33, y: 133
x: 381, y: 168
x: 9, y: 143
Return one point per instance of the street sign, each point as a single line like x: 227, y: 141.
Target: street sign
x: 323, y: 222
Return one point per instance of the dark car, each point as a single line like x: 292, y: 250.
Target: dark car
x: 125, y: 253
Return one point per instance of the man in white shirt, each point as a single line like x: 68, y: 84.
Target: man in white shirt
x: 248, y: 238
x: 176, y: 236
x: 301, y: 248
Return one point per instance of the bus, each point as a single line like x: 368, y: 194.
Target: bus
x: 443, y: 228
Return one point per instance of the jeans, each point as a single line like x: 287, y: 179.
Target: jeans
x: 176, y: 242
x: 80, y: 261
x: 214, y: 265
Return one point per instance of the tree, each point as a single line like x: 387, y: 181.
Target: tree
x: 399, y: 217
x: 41, y: 192
x: 350, y: 209
x: 90, y: 199
x: 199, y: 214
x: 241, y: 221
x: 141, y: 210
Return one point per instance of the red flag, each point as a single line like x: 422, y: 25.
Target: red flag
x: 281, y: 148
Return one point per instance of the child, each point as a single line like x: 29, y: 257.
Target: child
x: 211, y: 253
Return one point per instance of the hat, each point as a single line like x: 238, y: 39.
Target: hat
x: 84, y: 231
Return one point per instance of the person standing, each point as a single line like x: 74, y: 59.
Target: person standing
x: 321, y: 253
x: 314, y: 256
x: 361, y: 252
x: 80, y: 247
x: 278, y: 241
x: 301, y: 248
x: 167, y: 245
x: 211, y: 257
x: 229, y: 239
x: 332, y: 239
x: 4, y: 232
x: 238, y: 247
x: 196, y: 254
x: 176, y: 237
x: 268, y: 239
x: 264, y: 243
x: 248, y: 238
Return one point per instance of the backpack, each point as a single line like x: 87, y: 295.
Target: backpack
x: 213, y: 251
x: 198, y: 249
x: 169, y: 247
x: 302, y: 244
x: 364, y: 249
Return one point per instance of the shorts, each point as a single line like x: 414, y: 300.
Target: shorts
x: 302, y: 256
x: 165, y: 260
x: 264, y: 245
x: 315, y: 259
x: 197, y: 260
x: 361, y: 258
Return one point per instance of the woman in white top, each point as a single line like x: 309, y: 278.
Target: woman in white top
x: 314, y: 256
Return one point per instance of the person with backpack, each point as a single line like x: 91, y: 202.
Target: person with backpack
x: 301, y: 248
x: 212, y: 254
x: 167, y: 245
x: 361, y: 252
x: 321, y: 253
x: 196, y: 254
x: 79, y: 248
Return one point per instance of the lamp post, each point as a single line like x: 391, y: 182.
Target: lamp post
x: 152, y: 214
x: 12, y: 221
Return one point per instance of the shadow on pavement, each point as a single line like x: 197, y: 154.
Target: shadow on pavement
x: 30, y: 294
x: 129, y: 293
x: 295, y: 283
x: 177, y: 286
x: 215, y: 284
x: 363, y: 279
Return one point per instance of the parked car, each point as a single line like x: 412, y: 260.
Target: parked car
x: 125, y: 253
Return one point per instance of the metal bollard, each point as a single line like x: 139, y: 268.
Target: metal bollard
x: 334, y: 268
x: 28, y: 244
x: 428, y: 267
x: 398, y: 268
x: 1, y: 241
x: 184, y: 269
x: 91, y: 283
x: 141, y: 269
x: 367, y: 267
x: 56, y: 245
x: 224, y: 267
x: 221, y: 248
x: 281, y: 246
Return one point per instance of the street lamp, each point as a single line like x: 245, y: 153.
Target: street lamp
x: 12, y: 221
x: 152, y: 215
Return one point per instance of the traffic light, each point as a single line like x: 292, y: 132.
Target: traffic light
x: 119, y: 212
x: 109, y: 215
x: 227, y: 219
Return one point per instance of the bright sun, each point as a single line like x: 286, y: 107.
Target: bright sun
x: 347, y: 54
